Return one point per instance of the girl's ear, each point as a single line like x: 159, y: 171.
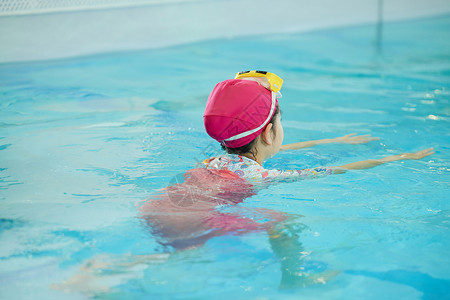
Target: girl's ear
x: 267, y: 135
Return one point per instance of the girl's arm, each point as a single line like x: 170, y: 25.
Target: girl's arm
x: 346, y: 139
x: 367, y: 164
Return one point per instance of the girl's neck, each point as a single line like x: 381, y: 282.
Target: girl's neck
x: 250, y: 156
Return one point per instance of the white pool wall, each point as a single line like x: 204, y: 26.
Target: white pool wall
x: 41, y: 35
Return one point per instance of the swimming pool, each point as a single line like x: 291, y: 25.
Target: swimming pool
x: 85, y: 140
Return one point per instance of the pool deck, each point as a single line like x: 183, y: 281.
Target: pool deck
x: 53, y: 34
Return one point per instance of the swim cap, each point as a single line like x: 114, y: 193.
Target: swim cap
x: 237, y: 111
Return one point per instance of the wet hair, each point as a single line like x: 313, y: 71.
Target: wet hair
x: 249, y: 148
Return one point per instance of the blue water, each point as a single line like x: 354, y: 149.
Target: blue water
x: 84, y: 141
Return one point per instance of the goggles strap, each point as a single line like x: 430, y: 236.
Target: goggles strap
x: 247, y: 133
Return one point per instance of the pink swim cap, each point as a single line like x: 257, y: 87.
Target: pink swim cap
x: 237, y: 111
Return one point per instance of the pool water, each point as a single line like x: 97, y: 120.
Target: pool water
x: 85, y: 141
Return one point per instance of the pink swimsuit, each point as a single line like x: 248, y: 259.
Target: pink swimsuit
x: 186, y: 214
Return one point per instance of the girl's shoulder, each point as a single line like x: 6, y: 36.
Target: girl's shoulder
x: 242, y: 166
x: 228, y: 160
x: 232, y: 162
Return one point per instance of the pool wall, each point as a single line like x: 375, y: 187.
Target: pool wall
x: 59, y: 32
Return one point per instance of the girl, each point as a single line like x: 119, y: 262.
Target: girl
x: 244, y: 116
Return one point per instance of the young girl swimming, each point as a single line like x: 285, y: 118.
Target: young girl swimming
x: 243, y: 115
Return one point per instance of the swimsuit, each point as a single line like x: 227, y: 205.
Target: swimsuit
x: 185, y: 218
x: 250, y: 170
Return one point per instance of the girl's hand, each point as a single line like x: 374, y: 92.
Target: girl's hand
x: 370, y: 163
x: 354, y: 139
x: 418, y: 154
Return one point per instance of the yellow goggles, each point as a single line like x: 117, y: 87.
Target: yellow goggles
x: 274, y: 81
